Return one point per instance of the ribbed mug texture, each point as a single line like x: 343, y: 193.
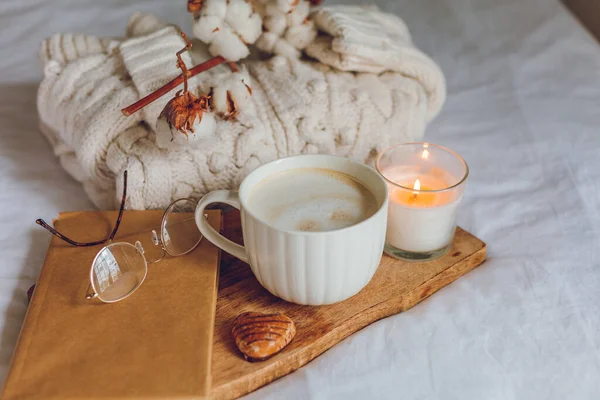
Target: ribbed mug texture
x: 312, y: 268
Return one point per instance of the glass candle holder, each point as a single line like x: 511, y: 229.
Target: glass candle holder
x: 426, y: 184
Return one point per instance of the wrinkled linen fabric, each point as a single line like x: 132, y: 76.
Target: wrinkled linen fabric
x: 296, y: 107
x: 522, y: 109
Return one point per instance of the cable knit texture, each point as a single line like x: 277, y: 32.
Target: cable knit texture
x: 297, y: 107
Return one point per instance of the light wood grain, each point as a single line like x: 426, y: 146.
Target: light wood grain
x: 396, y: 286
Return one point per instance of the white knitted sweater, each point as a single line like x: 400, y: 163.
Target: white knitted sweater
x: 297, y: 107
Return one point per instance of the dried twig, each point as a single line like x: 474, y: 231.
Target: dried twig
x: 185, y: 73
x: 233, y: 66
x: 138, y: 105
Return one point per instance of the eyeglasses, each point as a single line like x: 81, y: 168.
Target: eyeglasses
x: 120, y: 268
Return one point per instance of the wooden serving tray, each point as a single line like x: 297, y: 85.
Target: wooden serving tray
x: 396, y: 287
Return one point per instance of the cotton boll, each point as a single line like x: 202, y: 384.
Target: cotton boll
x: 232, y: 79
x: 299, y: 13
x: 285, y: 49
x: 259, y: 7
x: 206, y: 27
x: 203, y: 130
x: 234, y: 89
x: 242, y: 24
x: 227, y: 44
x: 228, y: 27
x: 164, y: 134
x: 287, y: 28
x: 251, y: 30
x: 239, y: 85
x: 240, y: 94
x: 219, y: 100
x: 272, y: 9
x: 238, y: 12
x: 244, y: 75
x: 276, y: 24
x: 167, y: 137
x: 285, y: 6
x: 302, y: 35
x: 217, y: 8
x: 267, y: 42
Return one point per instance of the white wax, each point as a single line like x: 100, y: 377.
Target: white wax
x: 421, y: 229
x: 423, y: 221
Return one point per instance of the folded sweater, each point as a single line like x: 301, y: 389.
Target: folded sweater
x: 298, y: 106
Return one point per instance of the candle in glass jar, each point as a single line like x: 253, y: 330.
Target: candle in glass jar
x: 420, y: 220
x: 425, y: 189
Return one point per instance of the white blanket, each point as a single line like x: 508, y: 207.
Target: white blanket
x: 522, y: 108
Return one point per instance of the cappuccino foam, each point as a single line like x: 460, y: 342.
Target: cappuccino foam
x: 311, y: 200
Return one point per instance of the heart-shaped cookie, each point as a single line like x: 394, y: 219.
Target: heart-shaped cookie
x: 260, y: 336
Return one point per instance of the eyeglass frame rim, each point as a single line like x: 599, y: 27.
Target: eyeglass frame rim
x: 162, y: 230
x: 94, y: 293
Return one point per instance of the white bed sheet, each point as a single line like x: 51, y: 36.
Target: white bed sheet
x: 523, y: 110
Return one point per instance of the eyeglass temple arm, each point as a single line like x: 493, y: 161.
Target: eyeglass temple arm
x: 45, y: 225
x: 123, y: 197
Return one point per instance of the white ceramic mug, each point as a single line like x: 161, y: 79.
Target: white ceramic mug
x: 311, y: 268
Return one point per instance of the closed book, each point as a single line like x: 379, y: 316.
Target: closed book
x: 157, y: 343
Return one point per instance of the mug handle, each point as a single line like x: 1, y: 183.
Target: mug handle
x: 231, y: 198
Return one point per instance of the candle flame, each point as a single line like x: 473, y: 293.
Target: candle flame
x: 416, y: 186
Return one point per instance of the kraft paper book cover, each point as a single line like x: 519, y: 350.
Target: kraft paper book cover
x: 156, y: 343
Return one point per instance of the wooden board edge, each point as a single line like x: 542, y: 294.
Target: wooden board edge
x: 303, y: 356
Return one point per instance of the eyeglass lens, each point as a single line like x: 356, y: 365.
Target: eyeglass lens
x: 179, y: 232
x: 118, y: 270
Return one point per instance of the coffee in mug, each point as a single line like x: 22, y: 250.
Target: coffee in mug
x: 311, y: 200
x: 313, y: 225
